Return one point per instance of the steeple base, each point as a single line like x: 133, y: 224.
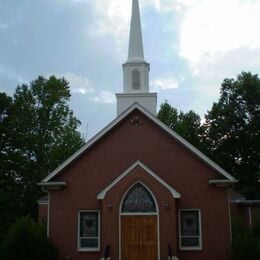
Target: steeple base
x: 147, y: 100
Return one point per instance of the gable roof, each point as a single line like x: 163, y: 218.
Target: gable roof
x: 116, y: 121
x: 174, y: 193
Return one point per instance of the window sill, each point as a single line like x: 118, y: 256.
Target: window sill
x: 89, y: 250
x: 190, y: 248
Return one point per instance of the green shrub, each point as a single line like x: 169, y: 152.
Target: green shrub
x: 256, y: 228
x: 27, y: 240
x: 245, y: 246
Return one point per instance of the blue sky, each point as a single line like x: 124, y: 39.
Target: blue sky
x: 192, y: 46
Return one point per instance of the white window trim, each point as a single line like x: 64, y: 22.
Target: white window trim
x: 200, y: 230
x: 90, y: 249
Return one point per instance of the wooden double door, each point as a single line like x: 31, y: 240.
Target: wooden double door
x: 139, y: 238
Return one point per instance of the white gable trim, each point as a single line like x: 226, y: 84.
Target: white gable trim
x: 155, y: 120
x: 93, y: 140
x: 174, y: 193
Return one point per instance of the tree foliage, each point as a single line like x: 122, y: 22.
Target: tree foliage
x: 38, y: 132
x: 232, y: 132
x: 185, y: 124
x: 245, y: 244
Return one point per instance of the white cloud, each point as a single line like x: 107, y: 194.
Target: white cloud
x: 105, y: 97
x: 227, y: 65
x: 212, y: 71
x: 219, y: 39
x: 164, y: 83
x: 78, y: 84
x: 9, y: 74
x: 3, y: 26
x: 112, y: 18
x: 211, y: 27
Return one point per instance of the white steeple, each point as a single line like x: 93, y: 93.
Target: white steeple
x: 136, y: 70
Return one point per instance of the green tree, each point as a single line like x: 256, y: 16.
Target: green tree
x: 40, y: 132
x: 185, y: 124
x: 6, y: 181
x: 189, y: 127
x: 168, y: 115
x: 232, y: 132
x: 245, y: 244
x: 27, y: 240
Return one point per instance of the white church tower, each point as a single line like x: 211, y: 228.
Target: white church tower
x: 136, y: 70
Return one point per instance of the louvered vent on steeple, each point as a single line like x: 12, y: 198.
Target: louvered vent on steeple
x: 136, y: 79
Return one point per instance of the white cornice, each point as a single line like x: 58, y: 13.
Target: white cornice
x: 174, y: 193
x: 153, y: 94
x: 53, y: 185
x: 245, y: 202
x: 42, y: 202
x: 135, y: 62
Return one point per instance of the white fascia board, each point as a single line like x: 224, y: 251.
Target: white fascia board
x: 155, y: 120
x: 41, y: 202
x: 245, y: 202
x: 218, y: 181
x: 223, y: 183
x: 53, y: 185
x: 174, y: 193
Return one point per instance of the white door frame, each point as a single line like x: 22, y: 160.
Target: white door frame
x: 140, y: 214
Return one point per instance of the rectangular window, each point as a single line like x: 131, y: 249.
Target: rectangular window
x: 89, y: 230
x: 190, y: 229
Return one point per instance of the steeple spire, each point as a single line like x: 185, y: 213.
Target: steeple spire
x: 136, y: 51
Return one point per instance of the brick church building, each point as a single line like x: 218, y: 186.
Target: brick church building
x: 137, y: 190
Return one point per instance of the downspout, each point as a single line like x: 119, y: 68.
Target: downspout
x: 229, y: 215
x: 250, y: 215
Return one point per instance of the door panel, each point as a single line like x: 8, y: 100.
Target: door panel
x: 139, y: 237
x: 129, y: 238
x: 148, y: 238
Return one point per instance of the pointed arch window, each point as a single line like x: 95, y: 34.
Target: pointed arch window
x: 138, y: 200
x: 136, y: 79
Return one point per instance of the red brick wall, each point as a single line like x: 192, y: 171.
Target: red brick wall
x: 111, y: 156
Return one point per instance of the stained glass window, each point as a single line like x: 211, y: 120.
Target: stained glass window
x: 89, y: 230
x: 190, y: 229
x: 138, y: 199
